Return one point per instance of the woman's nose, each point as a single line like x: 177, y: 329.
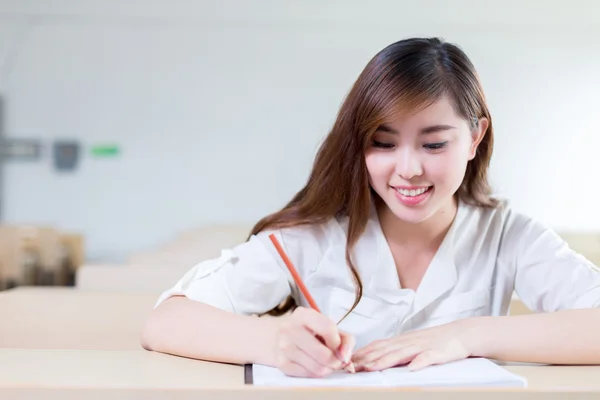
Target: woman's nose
x: 408, y: 164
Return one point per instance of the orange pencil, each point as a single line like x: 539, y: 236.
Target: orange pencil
x: 349, y: 367
x: 294, y: 273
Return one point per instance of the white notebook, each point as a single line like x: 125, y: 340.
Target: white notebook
x: 471, y: 372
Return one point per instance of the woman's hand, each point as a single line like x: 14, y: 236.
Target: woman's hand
x: 309, y: 344
x: 419, y: 349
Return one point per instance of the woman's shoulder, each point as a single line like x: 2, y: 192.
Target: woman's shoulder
x: 306, y: 234
x: 504, y: 221
x: 502, y: 215
x: 306, y: 243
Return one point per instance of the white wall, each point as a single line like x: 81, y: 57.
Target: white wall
x: 219, y: 106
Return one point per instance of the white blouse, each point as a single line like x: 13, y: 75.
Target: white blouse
x: 486, y: 255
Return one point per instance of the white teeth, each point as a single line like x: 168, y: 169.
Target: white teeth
x: 412, y: 193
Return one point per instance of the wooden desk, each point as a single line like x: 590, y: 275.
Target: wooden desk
x: 67, y: 374
x: 130, y: 278
x: 68, y: 344
x: 66, y: 318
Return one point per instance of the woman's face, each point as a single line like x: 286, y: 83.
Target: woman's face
x: 417, y: 161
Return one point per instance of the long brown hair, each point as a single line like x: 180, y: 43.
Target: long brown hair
x: 407, y: 75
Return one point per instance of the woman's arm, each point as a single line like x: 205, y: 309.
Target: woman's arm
x: 192, y: 329
x: 557, y: 283
x: 562, y: 337
x: 207, y: 314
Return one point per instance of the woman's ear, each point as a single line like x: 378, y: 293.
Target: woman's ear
x: 478, y: 134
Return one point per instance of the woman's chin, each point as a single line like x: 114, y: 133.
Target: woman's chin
x: 411, y: 213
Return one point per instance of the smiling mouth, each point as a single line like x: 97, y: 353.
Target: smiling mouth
x: 412, y: 192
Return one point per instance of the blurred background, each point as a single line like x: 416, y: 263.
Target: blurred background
x: 151, y: 134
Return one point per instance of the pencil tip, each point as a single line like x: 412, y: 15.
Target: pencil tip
x: 350, y: 368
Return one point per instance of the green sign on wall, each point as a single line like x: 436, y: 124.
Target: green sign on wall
x: 106, y: 150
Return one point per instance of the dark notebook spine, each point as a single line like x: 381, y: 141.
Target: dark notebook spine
x: 248, y: 374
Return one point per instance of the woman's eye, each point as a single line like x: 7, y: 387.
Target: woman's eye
x: 435, y: 146
x: 382, y: 145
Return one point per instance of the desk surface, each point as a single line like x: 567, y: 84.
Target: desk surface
x: 63, y: 344
x: 67, y: 318
x: 143, y: 370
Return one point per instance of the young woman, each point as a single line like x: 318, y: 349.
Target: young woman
x: 398, y: 239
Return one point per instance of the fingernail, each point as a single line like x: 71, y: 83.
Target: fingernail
x: 369, y: 365
x: 343, y: 355
x: 348, y: 356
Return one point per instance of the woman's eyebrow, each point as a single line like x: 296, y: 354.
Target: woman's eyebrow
x: 436, y: 128
x: 423, y: 131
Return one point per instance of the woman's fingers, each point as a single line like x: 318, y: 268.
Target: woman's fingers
x: 346, y: 348
x: 371, y: 348
x: 315, y: 349
x: 380, y: 348
x: 320, y: 325
x: 312, y: 341
x: 393, y: 358
x: 427, y: 358
x: 292, y: 368
x: 306, y: 360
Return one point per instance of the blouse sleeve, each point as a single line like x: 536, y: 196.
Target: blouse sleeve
x: 549, y: 275
x: 252, y: 278
x: 246, y: 279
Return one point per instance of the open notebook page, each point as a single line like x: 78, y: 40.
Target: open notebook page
x: 470, y: 372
